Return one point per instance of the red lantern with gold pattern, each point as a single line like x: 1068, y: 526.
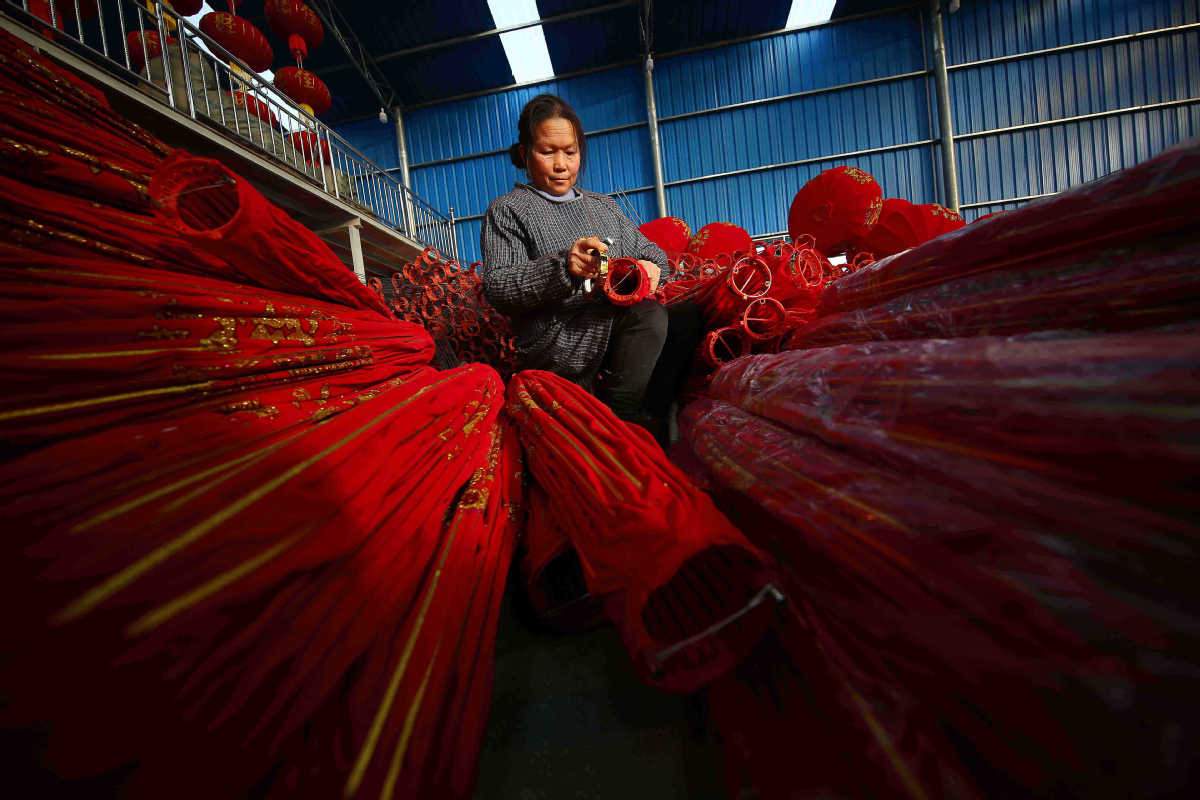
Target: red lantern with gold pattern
x: 307, y: 143
x: 837, y: 208
x: 305, y: 88
x: 295, y: 21
x: 143, y: 45
x: 670, y: 233
x: 903, y: 225
x: 717, y: 238
x: 256, y: 107
x: 240, y: 37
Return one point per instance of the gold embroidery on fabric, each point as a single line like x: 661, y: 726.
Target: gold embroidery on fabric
x: 159, y: 332
x: 276, y: 330
x: 224, y: 338
x: 91, y: 244
x: 94, y: 401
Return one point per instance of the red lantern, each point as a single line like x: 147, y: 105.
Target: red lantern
x: 903, y: 225
x: 186, y: 8
x: 63, y: 11
x: 256, y: 107
x: 670, y: 233
x: 306, y: 143
x: 239, y: 36
x: 837, y: 208
x: 305, y: 88
x: 298, y: 23
x: 152, y: 49
x: 720, y: 238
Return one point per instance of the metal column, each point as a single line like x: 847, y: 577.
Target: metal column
x: 660, y: 193
x: 409, y: 225
x: 941, y: 81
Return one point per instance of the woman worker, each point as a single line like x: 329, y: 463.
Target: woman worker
x: 539, y: 247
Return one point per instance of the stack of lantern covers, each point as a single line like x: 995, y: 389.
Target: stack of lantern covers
x: 248, y: 525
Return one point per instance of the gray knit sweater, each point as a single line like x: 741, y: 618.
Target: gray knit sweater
x: 525, y: 242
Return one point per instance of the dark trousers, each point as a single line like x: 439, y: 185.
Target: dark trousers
x: 649, y: 352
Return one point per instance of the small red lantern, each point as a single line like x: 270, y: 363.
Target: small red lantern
x: 305, y: 88
x: 239, y: 36
x: 306, y: 143
x: 298, y: 23
x: 256, y: 107
x: 670, y: 233
x: 152, y: 49
x: 837, y: 208
x: 720, y: 238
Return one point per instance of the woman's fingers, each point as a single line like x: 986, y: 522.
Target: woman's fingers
x: 582, y: 261
x: 653, y: 272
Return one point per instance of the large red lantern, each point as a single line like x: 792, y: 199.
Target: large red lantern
x: 240, y: 37
x: 305, y: 88
x: 837, y: 208
x: 717, y: 238
x: 670, y: 233
x: 307, y: 143
x: 296, y: 22
x: 143, y: 45
x: 903, y: 225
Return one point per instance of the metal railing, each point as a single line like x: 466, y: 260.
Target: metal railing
x: 196, y: 76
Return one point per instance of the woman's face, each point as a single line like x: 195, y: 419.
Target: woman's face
x: 554, y: 163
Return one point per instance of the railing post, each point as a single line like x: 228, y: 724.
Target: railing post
x: 405, y: 179
x: 453, y: 236
x: 941, y: 80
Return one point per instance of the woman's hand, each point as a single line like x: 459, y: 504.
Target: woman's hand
x: 653, y: 273
x: 580, y: 262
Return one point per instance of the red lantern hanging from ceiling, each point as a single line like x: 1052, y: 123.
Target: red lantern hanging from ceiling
x: 308, y: 144
x: 300, y: 25
x: 305, y: 88
x: 240, y: 37
x: 837, y: 208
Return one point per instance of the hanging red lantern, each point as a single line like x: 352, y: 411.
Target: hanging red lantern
x: 295, y: 21
x: 63, y: 12
x: 720, y: 238
x: 143, y: 45
x: 256, y: 107
x: 305, y: 88
x: 185, y: 8
x: 306, y: 142
x: 669, y: 233
x: 837, y: 208
x: 240, y: 37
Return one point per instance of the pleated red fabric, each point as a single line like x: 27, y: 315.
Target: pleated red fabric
x: 684, y: 588
x: 1154, y: 198
x: 836, y: 208
x: 218, y: 212
x: 992, y: 631
x: 553, y: 576
x: 902, y: 225
x: 1135, y: 285
x: 670, y: 233
x: 720, y: 238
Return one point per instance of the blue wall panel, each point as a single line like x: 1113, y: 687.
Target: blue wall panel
x: 1113, y: 79
x: 809, y: 59
x: 481, y: 124
x: 376, y: 140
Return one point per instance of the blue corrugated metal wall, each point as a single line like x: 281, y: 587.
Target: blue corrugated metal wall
x: 1082, y: 111
x: 744, y: 126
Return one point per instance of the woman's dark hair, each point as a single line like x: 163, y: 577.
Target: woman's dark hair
x: 537, y: 111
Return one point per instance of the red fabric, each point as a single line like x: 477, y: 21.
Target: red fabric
x: 903, y: 225
x: 720, y: 238
x: 254, y: 106
x: 670, y: 233
x: 332, y: 552
x: 553, y: 577
x: 836, y: 208
x: 216, y: 211
x: 915, y: 587
x: 672, y: 565
x: 1127, y: 287
x: 1154, y: 198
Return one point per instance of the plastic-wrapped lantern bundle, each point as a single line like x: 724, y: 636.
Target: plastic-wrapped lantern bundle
x: 670, y: 233
x: 687, y: 592
x: 720, y: 239
x: 836, y: 208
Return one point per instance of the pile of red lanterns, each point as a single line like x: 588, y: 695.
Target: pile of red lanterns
x: 447, y: 298
x: 755, y: 298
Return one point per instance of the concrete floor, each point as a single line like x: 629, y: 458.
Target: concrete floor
x: 570, y: 721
